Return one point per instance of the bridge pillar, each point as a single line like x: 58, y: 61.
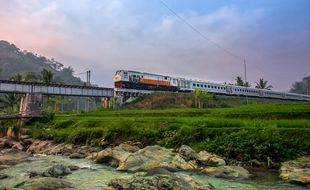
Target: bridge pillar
x: 106, y: 102
x: 30, y: 105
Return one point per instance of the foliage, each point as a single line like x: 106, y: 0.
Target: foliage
x: 47, y: 76
x: 13, y: 60
x: 302, y: 87
x: 201, y: 97
x: 240, y: 82
x: 262, y: 84
x: 279, y: 131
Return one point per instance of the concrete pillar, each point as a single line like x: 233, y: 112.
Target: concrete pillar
x: 30, y: 105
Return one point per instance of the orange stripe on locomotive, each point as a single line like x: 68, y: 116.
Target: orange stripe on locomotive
x: 155, y: 82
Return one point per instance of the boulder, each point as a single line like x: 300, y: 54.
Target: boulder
x: 45, y: 183
x: 3, y: 176
x: 18, y: 146
x: 39, y: 147
x: 129, y: 148
x: 153, y: 157
x: 113, y: 156
x: 156, y: 179
x: 76, y: 156
x: 207, y: 159
x: 230, y: 172
x: 57, y: 171
x: 12, y: 157
x: 5, y: 143
x: 296, y: 171
x: 187, y: 153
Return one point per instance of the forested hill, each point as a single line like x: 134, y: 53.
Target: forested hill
x: 13, y: 60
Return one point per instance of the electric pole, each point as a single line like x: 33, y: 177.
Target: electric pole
x: 246, y: 83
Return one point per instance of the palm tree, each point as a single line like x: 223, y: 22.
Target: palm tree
x: 9, y: 100
x: 47, y: 76
x: 240, y: 82
x: 262, y: 84
x: 31, y: 77
x: 17, y: 77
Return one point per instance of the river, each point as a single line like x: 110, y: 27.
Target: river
x: 95, y: 176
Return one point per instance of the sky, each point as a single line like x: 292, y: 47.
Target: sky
x: 273, y: 36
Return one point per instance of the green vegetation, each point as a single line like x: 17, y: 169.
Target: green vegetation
x: 278, y: 131
x: 16, y: 63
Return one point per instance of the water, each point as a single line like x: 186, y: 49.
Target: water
x: 95, y: 176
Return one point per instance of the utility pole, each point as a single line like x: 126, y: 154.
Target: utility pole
x: 245, y: 81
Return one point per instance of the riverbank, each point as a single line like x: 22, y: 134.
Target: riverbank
x: 43, y: 163
x: 269, y: 133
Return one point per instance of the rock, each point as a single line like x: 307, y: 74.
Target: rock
x: 296, y: 171
x: 5, y: 143
x: 129, y: 148
x: 3, y: 167
x: 12, y: 157
x: 158, y: 179
x: 208, y: 159
x: 73, y: 167
x: 39, y: 147
x: 113, y: 156
x: 187, y: 153
x: 57, y: 171
x: 76, y: 156
x: 3, y: 176
x: 153, y: 157
x: 104, y: 144
x: 255, y: 163
x: 61, y: 149
x: 45, y: 183
x: 18, y: 146
x: 230, y: 172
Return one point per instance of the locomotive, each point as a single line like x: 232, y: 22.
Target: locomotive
x: 126, y: 79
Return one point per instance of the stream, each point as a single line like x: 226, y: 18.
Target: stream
x: 95, y: 176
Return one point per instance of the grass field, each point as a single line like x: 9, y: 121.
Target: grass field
x: 278, y: 131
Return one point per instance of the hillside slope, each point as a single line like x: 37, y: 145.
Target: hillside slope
x: 13, y: 60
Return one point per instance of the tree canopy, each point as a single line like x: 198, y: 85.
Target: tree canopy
x: 240, y: 82
x: 263, y: 84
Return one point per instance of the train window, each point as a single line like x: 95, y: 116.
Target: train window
x: 194, y: 84
x: 205, y: 86
x: 142, y: 76
x: 197, y: 85
x: 165, y: 78
x: 208, y: 86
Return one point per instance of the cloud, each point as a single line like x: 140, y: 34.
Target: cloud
x: 108, y: 35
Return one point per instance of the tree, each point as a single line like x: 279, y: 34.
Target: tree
x: 262, y: 84
x: 240, y: 82
x: 17, y: 77
x: 202, y: 96
x: 301, y: 87
x: 47, y: 76
x: 31, y: 77
x: 9, y: 100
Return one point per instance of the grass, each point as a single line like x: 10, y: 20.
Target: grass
x: 279, y: 131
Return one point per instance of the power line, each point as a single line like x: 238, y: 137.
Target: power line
x: 200, y: 33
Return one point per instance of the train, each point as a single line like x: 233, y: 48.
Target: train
x: 126, y: 79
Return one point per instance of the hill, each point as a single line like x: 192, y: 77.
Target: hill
x: 14, y: 60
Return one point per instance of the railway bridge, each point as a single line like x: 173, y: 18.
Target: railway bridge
x: 32, y: 95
